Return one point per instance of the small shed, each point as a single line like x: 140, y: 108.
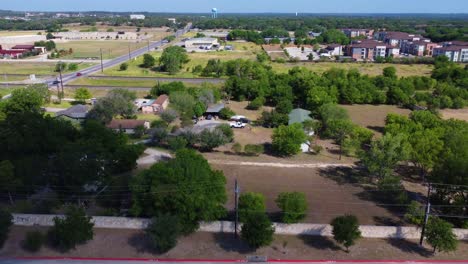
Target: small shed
x: 299, y: 115
x: 214, y: 109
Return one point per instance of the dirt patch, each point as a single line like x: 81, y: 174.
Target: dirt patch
x: 460, y: 114
x: 240, y: 109
x: 373, y: 116
x: 327, y: 192
x: 132, y: 244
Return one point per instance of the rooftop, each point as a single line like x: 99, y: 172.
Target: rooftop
x: 299, y: 115
x: 215, y: 108
x: 76, y: 112
x: 125, y: 123
x: 161, y: 99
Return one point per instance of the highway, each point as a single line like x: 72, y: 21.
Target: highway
x: 135, y: 261
x: 84, y: 72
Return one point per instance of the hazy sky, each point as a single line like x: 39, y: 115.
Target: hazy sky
x: 244, y: 6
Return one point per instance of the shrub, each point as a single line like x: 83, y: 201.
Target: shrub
x: 5, y: 223
x: 123, y: 66
x: 440, y: 235
x: 287, y: 140
x: 169, y: 116
x: 163, y: 232
x: 256, y: 103
x: 227, y: 132
x: 317, y: 149
x: 251, y: 204
x: 392, y: 189
x: 33, y: 241
x: 237, y: 148
x: 254, y: 150
x: 148, y: 61
x: 210, y: 140
x: 346, y: 230
x: 76, y: 228
x: 72, y: 67
x: 226, y: 113
x: 293, y: 206
x: 258, y: 231
x: 176, y: 143
x: 415, y: 213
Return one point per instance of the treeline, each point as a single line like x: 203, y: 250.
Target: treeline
x: 440, y: 29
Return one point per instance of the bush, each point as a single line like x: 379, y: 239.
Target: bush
x: 76, y: 228
x: 210, y: 140
x: 256, y: 103
x: 287, y: 140
x: 5, y: 223
x: 169, y: 115
x: 254, y: 150
x: 123, y: 66
x: 227, y: 132
x: 440, y: 235
x: 258, y: 231
x: 251, y: 204
x: 415, y: 213
x: 72, y: 67
x: 226, y: 113
x: 317, y: 149
x: 293, y: 206
x: 176, y: 143
x: 148, y: 61
x: 392, y: 190
x: 163, y: 232
x: 346, y: 230
x: 237, y: 148
x: 33, y: 241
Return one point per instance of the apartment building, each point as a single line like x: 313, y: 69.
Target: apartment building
x: 369, y: 50
x: 456, y: 51
x: 408, y: 43
x: 354, y: 33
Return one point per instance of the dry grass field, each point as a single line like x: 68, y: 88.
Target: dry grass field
x: 92, y: 49
x: 7, y: 33
x: 460, y: 114
x: 42, y: 68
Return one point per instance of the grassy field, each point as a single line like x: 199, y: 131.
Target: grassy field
x: 42, y: 68
x: 373, y: 116
x: 97, y: 93
x: 371, y: 69
x: 7, y: 90
x: 241, y: 51
x: 4, y: 33
x: 112, y: 82
x: 61, y: 104
x: 91, y: 49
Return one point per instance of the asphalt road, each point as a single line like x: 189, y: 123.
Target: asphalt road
x: 69, y: 261
x: 84, y: 72
x: 163, y: 79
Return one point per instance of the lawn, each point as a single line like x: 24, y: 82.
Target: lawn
x: 7, y: 90
x: 4, y: 33
x: 148, y: 117
x: 114, y: 82
x: 373, y: 116
x: 39, y: 68
x: 371, y: 69
x: 91, y: 49
x: 97, y: 93
x: 61, y: 104
x: 241, y: 51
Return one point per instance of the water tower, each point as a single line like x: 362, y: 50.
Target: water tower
x: 214, y: 13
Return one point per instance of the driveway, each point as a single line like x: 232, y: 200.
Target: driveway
x: 205, y: 124
x: 153, y: 156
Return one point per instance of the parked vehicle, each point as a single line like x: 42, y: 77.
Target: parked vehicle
x: 237, y: 125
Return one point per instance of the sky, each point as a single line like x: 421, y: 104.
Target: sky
x: 243, y: 6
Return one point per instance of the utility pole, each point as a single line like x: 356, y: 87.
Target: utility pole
x: 129, y: 53
x: 61, y: 80
x: 102, y: 66
x: 426, y: 215
x: 236, y: 193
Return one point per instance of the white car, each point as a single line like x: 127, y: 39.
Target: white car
x: 237, y: 125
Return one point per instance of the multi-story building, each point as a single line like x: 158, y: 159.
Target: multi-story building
x: 354, y: 33
x: 408, y: 43
x: 369, y: 50
x: 137, y: 17
x: 456, y: 51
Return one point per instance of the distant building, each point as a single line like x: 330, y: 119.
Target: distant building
x: 127, y: 126
x: 137, y: 17
x: 314, y: 34
x: 456, y: 51
x: 335, y: 49
x: 75, y: 35
x: 201, y: 43
x: 214, y: 110
x: 369, y: 50
x: 173, y: 20
x: 354, y: 33
x: 76, y: 113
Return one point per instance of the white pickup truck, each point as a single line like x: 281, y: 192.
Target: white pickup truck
x: 237, y: 125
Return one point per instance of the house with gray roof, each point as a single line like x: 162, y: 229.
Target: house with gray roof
x: 76, y: 112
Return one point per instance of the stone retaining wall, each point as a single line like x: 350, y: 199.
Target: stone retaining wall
x: 402, y: 232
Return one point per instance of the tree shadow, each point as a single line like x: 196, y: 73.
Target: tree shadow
x: 319, y: 242
x: 343, y: 175
x: 387, y: 221
x: 409, y: 247
x: 378, y: 129
x: 230, y: 243
x: 141, y: 243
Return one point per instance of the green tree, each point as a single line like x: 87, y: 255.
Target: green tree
x: 287, y: 140
x: 6, y: 221
x: 33, y: 241
x: 293, y: 206
x: 72, y: 67
x: 75, y: 229
x: 169, y: 116
x: 415, y: 213
x: 340, y: 130
x: 163, y: 232
x: 24, y: 100
x: 384, y: 154
x: 118, y: 102
x: 60, y: 66
x: 211, y: 139
x: 49, y: 36
x: 227, y: 131
x: 82, y: 94
x: 257, y: 231
x: 426, y: 149
x: 346, y: 230
x: 440, y: 236
x: 173, y: 59
x: 8, y: 181
x: 390, y: 72
x: 251, y: 204
x: 185, y: 187
x: 148, y: 61
x: 123, y: 66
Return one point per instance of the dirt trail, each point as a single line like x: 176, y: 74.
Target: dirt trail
x: 281, y: 165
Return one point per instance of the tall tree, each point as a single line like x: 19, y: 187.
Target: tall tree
x: 251, y: 204
x: 8, y: 181
x: 258, y: 231
x: 173, y: 59
x: 287, y: 140
x: 293, y: 206
x: 440, y: 236
x: 346, y: 230
x: 340, y: 130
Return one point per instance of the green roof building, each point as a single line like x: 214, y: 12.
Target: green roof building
x: 299, y: 115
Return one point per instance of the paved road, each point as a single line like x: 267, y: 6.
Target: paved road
x: 93, y: 69
x: 69, y: 261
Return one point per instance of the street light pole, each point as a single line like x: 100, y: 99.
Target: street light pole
x: 102, y: 66
x: 129, y: 53
x: 61, y: 80
x: 236, y: 193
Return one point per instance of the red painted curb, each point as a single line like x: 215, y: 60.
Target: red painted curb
x: 234, y: 260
